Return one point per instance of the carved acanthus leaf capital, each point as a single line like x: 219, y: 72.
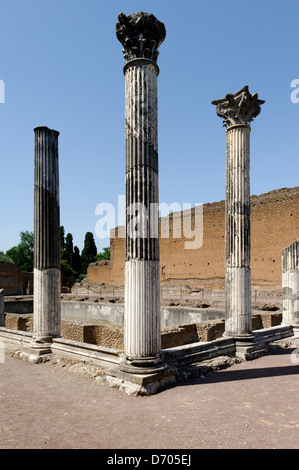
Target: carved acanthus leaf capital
x: 240, y: 108
x: 140, y: 34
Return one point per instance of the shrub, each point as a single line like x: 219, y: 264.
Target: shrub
x: 5, y: 258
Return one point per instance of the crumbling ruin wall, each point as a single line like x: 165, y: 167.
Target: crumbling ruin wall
x: 11, y: 279
x: 274, y: 225
x: 100, y: 270
x: 16, y: 282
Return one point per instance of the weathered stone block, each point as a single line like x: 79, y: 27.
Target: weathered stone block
x: 256, y: 322
x: 72, y: 330
x: 107, y: 335
x: 210, y: 330
x: 178, y: 336
x: 14, y: 321
x: 11, y: 321
x: 271, y: 319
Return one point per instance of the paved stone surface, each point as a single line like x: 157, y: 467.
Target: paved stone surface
x: 251, y: 405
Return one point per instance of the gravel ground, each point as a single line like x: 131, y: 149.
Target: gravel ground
x: 251, y: 405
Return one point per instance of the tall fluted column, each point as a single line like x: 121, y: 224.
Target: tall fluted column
x: 290, y: 286
x: 47, y: 283
x: 238, y: 111
x: 141, y: 34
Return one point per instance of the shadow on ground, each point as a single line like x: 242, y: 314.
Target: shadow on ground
x: 231, y: 374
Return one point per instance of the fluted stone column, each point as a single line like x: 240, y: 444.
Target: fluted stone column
x: 2, y: 322
x: 47, y: 276
x: 141, y: 34
x: 290, y: 286
x: 238, y: 111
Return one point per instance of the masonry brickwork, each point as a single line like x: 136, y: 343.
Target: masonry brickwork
x: 274, y: 225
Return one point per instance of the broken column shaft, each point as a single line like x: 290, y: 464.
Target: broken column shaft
x: 290, y: 286
x: 238, y: 111
x: 141, y: 34
x: 47, y: 277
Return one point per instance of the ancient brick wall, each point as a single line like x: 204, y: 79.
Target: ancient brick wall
x: 11, y: 279
x: 100, y: 272
x: 274, y: 225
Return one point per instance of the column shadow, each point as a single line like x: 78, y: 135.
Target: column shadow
x: 230, y: 374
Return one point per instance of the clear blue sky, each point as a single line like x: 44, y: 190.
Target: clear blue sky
x: 62, y: 67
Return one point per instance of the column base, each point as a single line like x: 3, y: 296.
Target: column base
x: 139, y: 383
x: 142, y: 365
x: 247, y: 338
x: 246, y: 346
x: 40, y: 346
x: 36, y: 351
x: 248, y: 349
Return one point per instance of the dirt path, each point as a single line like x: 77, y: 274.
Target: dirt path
x: 250, y: 405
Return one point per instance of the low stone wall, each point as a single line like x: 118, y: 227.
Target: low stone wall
x: 193, y: 333
x: 92, y: 311
x: 87, y: 311
x: 112, y: 335
x: 114, y: 313
x: 266, y: 320
x: 102, y: 334
x: 18, y: 304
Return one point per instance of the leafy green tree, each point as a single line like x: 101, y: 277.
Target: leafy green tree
x: 5, y: 259
x: 67, y: 270
x: 105, y: 254
x: 89, y: 252
x: 22, y: 254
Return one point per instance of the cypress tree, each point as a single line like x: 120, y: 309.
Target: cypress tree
x: 69, y: 249
x: 62, y: 242
x: 89, y: 252
x: 77, y: 260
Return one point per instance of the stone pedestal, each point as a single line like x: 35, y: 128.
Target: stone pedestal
x: 290, y: 286
x: 47, y: 276
x: 141, y: 34
x: 238, y: 111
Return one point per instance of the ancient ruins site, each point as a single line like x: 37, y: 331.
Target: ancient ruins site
x: 188, y: 310
x: 158, y: 313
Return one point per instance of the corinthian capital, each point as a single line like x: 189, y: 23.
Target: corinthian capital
x: 240, y: 108
x: 140, y: 34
